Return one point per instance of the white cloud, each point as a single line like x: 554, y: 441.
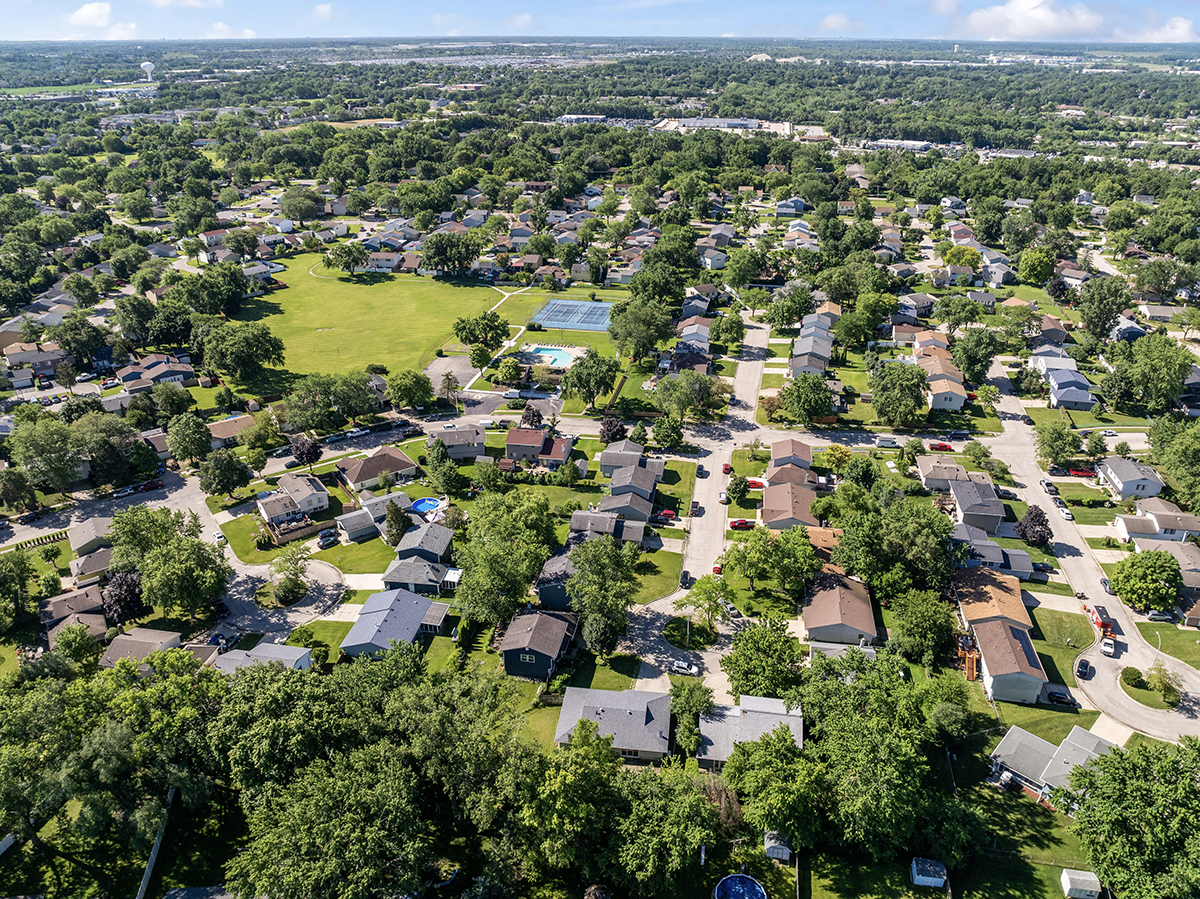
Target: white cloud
x: 1175, y: 30
x: 521, y: 21
x: 944, y: 7
x: 95, y: 15
x: 728, y: 34
x: 1034, y: 20
x: 323, y: 12
x: 191, y: 4
x: 122, y: 31
x: 651, y: 4
x: 840, y: 23
x: 219, y: 30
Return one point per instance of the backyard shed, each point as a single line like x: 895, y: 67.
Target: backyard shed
x: 928, y: 873
x: 1080, y: 884
x: 776, y: 846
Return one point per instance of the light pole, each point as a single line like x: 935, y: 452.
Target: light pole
x: 1157, y: 651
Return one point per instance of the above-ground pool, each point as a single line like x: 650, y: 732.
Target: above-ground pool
x: 739, y: 886
x: 428, y: 504
x: 559, y: 358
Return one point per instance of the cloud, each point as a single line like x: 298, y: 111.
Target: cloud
x: 522, y: 21
x: 944, y: 7
x: 1034, y: 20
x: 122, y: 31
x: 1175, y: 30
x: 323, y: 11
x: 219, y: 30
x: 840, y: 23
x: 95, y: 15
x: 728, y: 34
x: 452, y: 32
x: 191, y: 4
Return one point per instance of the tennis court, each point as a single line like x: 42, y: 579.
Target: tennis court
x: 574, y: 315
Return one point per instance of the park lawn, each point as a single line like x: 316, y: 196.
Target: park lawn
x: 1179, y: 643
x: 770, y: 381
x: 658, y: 575
x: 322, y: 319
x: 519, y: 308
x: 240, y: 532
x: 368, y: 557
x: 763, y: 599
x: 617, y: 672
x: 633, y: 398
x: 1058, y: 637
x: 331, y: 633
x: 675, y: 490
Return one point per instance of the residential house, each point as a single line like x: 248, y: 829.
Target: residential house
x: 535, y: 642
x: 387, y: 461
x: 638, y: 721
x: 1188, y: 557
x: 306, y: 491
x: 225, y: 432
x: 1011, y: 669
x: 937, y: 472
x: 917, y: 304
x: 393, y: 616
x: 1126, y: 329
x: 155, y: 368
x: 1052, y: 331
x: 376, y: 506
x: 538, y: 446
x: 1075, y: 398
x: 589, y: 524
x: 839, y: 610
x: 461, y: 443
x: 946, y: 394
x: 417, y: 575
x: 1157, y: 519
x: 89, y: 535
x: 1046, y: 364
x: 751, y: 719
x: 984, y: 596
x: 551, y: 582
x: 1156, y: 313
x: 629, y: 506
x: 95, y: 622
x: 794, y: 474
x: 984, y: 298
x: 620, y: 454
x: 1126, y: 478
x: 814, y: 345
x: 786, y: 506
x: 277, y: 508
x: 296, y: 658
x: 137, y: 643
x: 694, y: 306
x: 713, y: 259
x: 428, y: 540
x: 924, y: 339
x: 977, y: 505
x: 88, y: 601
x: 791, y: 452
x: 1040, y: 765
x: 633, y: 479
x: 92, y: 568
x: 357, y: 525
x: 980, y: 550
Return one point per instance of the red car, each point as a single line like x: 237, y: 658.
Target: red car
x: 941, y: 447
x: 726, y: 468
x: 1083, y: 472
x: 716, y: 569
x: 754, y: 484
x: 741, y: 524
x: 667, y: 514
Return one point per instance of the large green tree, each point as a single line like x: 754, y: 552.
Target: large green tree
x: 602, y: 587
x: 898, y: 393
x: 765, y: 660
x: 637, y: 327
x: 1148, y: 580
x: 591, y: 376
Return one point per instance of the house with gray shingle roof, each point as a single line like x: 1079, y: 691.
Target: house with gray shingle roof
x: 394, y: 616
x: 753, y: 717
x: 639, y: 721
x: 429, y: 541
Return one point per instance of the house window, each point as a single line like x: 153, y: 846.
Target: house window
x: 528, y: 657
x: 629, y: 753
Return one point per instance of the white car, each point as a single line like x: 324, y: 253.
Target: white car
x: 124, y: 492
x: 1109, y: 433
x: 357, y: 432
x: 220, y: 539
x: 449, y: 427
x: 512, y: 394
x: 1108, y: 646
x: 684, y: 668
x: 886, y: 443
x: 85, y: 376
x: 1066, y: 513
x: 1156, y: 615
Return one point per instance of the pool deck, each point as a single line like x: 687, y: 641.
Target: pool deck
x: 528, y: 354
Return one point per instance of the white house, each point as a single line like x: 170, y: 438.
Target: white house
x: 946, y: 394
x: 1157, y: 519
x: 1127, y: 478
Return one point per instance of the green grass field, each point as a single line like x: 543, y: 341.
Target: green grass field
x: 1051, y: 632
x: 324, y: 321
x: 617, y: 672
x: 331, y: 633
x: 658, y: 575
x: 1181, y: 643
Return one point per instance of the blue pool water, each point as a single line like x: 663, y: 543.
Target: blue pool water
x: 428, y: 504
x: 558, y: 358
x: 739, y: 886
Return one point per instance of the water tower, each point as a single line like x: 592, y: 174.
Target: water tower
x: 148, y: 68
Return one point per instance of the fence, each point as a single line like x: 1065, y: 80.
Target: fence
x: 162, y: 830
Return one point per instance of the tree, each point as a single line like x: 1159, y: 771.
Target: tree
x: 122, y: 597
x: 487, y: 329
x: 508, y: 371
x: 448, y: 252
x: 397, y: 523
x: 601, y: 588
x: 290, y: 566
x: 479, y: 356
x: 957, y: 311
x: 1037, y: 265
x: 988, y: 396
x: 82, y: 290
x: 223, y: 285
x: 15, y: 490
x: 898, y: 393
x: 531, y: 417
x: 409, y: 388
x: 668, y: 432
x: 1096, y: 445
x: 765, y: 660
x: 1056, y: 443
x: 707, y: 598
x: 46, y: 450
x: 1160, y: 366
x: 795, y: 561
x: 1100, y: 303
x: 780, y: 790
x: 188, y: 438
x: 306, y: 451
x: 612, y: 429
x: 689, y: 393
x: 136, y: 205
x: 808, y: 398
x: 591, y: 376
x: 301, y: 204
x: 242, y: 349
x: 348, y: 256
x: 924, y: 625
x: 1118, y: 801
x: 752, y: 553
x: 1148, y: 580
x: 1188, y: 320
x: 973, y: 353
x: 689, y: 700
x: 637, y: 327
x: 737, y: 488
x: 789, y: 304
x: 77, y: 644
x: 223, y: 472
x: 728, y: 329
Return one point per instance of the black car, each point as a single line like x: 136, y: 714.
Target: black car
x: 685, y: 579
x: 695, y: 510
x: 1025, y: 419
x: 292, y: 463
x: 29, y: 517
x: 328, y: 532
x: 699, y: 470
x: 1083, y: 670
x: 282, y: 451
x: 327, y: 542
x: 1005, y: 494
x: 1060, y: 698
x: 380, y: 426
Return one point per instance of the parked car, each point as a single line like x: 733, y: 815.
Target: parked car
x: 1056, y: 472
x: 694, y: 511
x: 1156, y: 615
x: 741, y: 524
x: 450, y: 426
x: 886, y: 443
x: 726, y: 468
x: 716, y: 569
x: 1083, y: 472
x: 1049, y: 487
x: 700, y: 472
x: 1025, y: 419
x: 281, y: 452
x: 328, y: 532
x: 151, y: 485
x: 1058, y: 501
x: 941, y: 447
x: 1059, y: 698
x: 1108, y: 646
x: 292, y: 463
x: 124, y: 492
x: 723, y: 498
x: 1107, y: 585
x: 327, y: 542
x: 84, y: 377
x: 755, y: 484
x: 666, y: 514
x: 512, y: 394
x: 357, y: 432
x: 29, y: 518
x: 220, y: 539
x: 1042, y: 566
x: 961, y: 435
x: 1015, y: 364
x: 679, y: 667
x: 1066, y: 513
x: 1087, y: 433
x: 685, y: 579
x: 1005, y: 493
x: 334, y: 438
x: 1109, y: 432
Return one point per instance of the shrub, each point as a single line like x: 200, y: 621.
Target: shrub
x: 1133, y: 677
x: 438, y: 352
x: 533, y: 326
x: 290, y: 590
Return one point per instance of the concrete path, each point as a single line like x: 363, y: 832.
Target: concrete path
x: 1051, y: 601
x: 372, y: 582
x: 1112, y: 730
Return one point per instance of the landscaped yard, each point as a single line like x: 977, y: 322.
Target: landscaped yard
x: 658, y: 575
x: 240, y: 531
x: 331, y: 633
x: 1058, y: 637
x: 1182, y: 643
x: 688, y: 633
x: 617, y: 672
x: 322, y: 319
x: 675, y: 490
x: 368, y: 557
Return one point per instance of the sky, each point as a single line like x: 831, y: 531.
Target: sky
x: 1091, y: 21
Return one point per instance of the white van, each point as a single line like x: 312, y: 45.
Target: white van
x: 487, y: 423
x: 512, y: 394
x: 886, y: 443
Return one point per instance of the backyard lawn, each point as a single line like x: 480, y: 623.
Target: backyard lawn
x: 1058, y: 637
x: 675, y: 490
x: 617, y: 672
x: 763, y: 599
x: 368, y: 557
x: 322, y: 319
x: 1182, y: 643
x: 240, y: 531
x: 331, y: 633
x: 1050, y: 722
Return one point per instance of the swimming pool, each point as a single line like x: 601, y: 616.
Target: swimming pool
x: 739, y: 886
x: 559, y: 358
x: 428, y: 504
